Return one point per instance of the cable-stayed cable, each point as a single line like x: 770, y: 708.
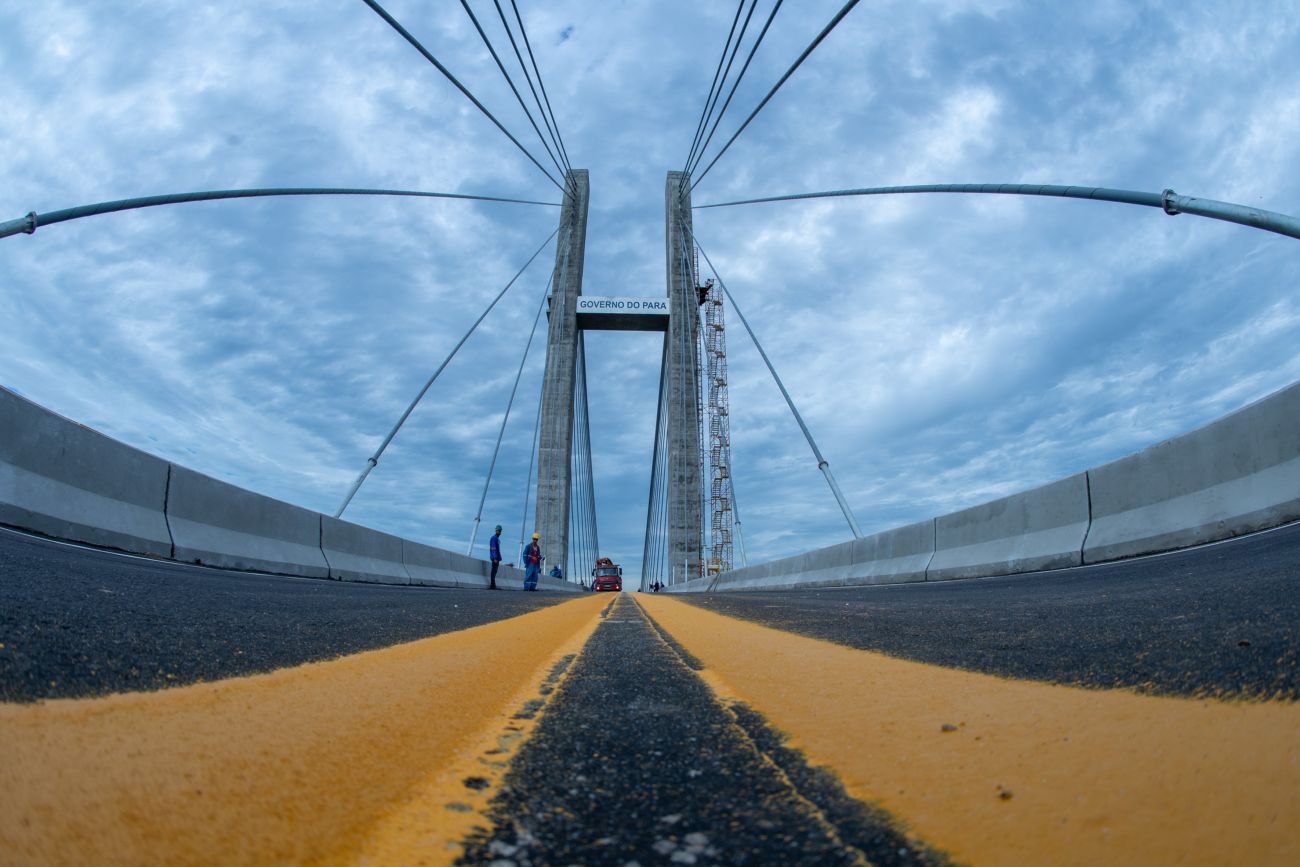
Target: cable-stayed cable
x: 713, y: 86
x: 523, y: 31
x: 582, y: 510
x: 528, y: 480
x: 373, y: 460
x: 822, y: 463
x: 509, y: 81
x: 839, y: 16
x: 478, y: 516
x: 577, y: 527
x: 655, y: 539
x: 591, y: 475
x: 546, y: 121
x: 740, y: 75
x: 406, y: 34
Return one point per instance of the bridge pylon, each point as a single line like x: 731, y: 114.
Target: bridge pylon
x: 684, y: 399
x: 555, y: 436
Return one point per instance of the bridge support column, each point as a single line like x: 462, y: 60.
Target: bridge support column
x: 685, y: 467
x: 555, y: 439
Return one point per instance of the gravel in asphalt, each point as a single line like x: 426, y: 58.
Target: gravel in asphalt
x: 78, y: 622
x: 1221, y: 620
x: 635, y: 761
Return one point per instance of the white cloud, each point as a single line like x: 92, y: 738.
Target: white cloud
x: 943, y: 349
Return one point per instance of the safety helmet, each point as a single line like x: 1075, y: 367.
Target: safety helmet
x: 536, y: 536
x: 498, y: 528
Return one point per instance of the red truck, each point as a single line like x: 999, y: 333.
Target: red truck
x: 607, y: 575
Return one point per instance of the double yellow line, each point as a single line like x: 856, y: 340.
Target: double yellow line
x: 367, y: 758
x: 317, y: 764
x: 1000, y: 771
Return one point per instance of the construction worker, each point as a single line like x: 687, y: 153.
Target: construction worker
x: 494, y: 554
x: 532, y: 563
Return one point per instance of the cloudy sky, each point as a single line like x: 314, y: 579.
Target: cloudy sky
x: 945, y: 350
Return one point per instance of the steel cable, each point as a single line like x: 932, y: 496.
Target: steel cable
x: 528, y: 480
x: 1168, y: 201
x: 577, y: 528
x: 839, y: 16
x: 523, y: 31
x: 652, y: 535
x: 504, y: 421
x: 593, y: 536
x: 752, y: 51
x: 406, y: 34
x: 546, y: 121
x: 29, y: 224
x: 582, y: 511
x: 373, y: 460
x: 713, y: 85
x: 822, y: 463
x: 509, y: 81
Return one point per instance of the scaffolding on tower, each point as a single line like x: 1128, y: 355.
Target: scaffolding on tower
x: 721, y: 502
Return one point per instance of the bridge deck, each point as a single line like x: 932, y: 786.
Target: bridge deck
x: 1014, y: 720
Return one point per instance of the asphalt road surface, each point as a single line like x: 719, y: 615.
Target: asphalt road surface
x: 1220, y: 620
x: 78, y: 622
x: 659, y: 730
x: 653, y: 766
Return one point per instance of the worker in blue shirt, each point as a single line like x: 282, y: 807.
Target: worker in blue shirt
x: 494, y: 554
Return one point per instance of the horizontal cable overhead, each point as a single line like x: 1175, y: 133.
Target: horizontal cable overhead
x: 405, y: 34
x: 29, y: 223
x: 1168, y: 201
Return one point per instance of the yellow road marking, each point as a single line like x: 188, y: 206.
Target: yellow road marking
x: 316, y: 764
x: 1091, y: 777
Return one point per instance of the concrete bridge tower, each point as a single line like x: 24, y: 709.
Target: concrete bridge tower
x: 555, y: 437
x: 681, y: 370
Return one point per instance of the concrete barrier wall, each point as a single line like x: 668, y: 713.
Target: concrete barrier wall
x: 894, y: 556
x: 428, y: 566
x: 65, y: 480
x: 761, y: 576
x: 356, y: 553
x: 1027, y: 532
x: 471, y: 572
x: 898, y: 556
x: 218, y: 524
x: 1237, y: 475
x: 68, y: 481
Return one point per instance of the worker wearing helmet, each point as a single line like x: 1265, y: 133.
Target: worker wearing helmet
x: 494, y: 554
x: 532, y: 563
